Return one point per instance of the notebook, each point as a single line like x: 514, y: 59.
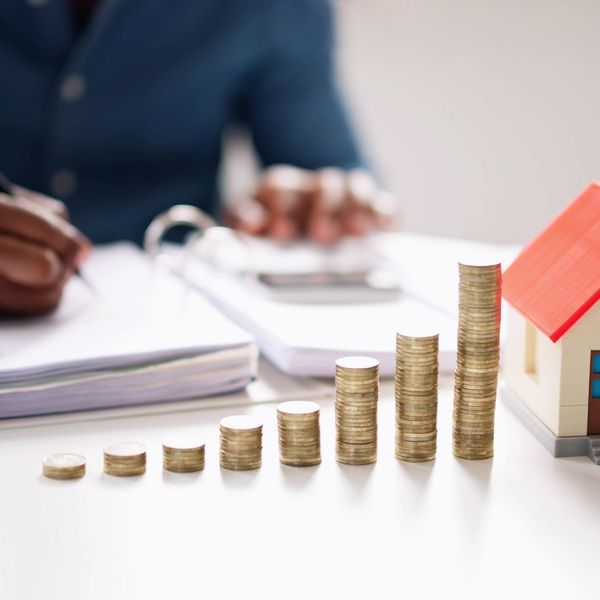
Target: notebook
x: 139, y: 335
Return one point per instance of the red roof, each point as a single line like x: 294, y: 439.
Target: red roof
x: 556, y: 278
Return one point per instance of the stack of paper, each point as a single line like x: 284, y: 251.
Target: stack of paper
x: 305, y: 339
x: 138, y: 336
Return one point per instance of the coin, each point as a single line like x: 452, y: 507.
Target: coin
x: 357, y: 392
x: 183, y: 454
x: 299, y: 433
x: 416, y: 394
x: 241, y: 423
x: 241, y: 443
x: 63, y: 465
x: 125, y: 459
x: 476, y: 376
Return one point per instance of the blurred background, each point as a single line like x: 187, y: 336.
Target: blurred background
x: 482, y: 117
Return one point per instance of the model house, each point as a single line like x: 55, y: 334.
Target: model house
x: 552, y: 350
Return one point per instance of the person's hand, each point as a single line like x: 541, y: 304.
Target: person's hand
x: 323, y: 205
x: 39, y: 250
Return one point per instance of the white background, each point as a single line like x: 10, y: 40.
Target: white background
x: 483, y: 117
x: 521, y: 525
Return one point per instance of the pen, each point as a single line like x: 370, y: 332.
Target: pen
x: 6, y: 187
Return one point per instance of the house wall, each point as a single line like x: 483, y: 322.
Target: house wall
x: 578, y: 342
x: 539, y: 391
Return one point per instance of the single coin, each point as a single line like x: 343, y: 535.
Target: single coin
x: 183, y: 443
x: 298, y: 407
x: 241, y: 423
x: 357, y: 362
x: 125, y: 449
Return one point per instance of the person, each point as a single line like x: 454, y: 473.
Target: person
x: 118, y: 109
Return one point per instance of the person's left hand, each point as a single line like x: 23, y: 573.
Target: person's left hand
x: 323, y: 205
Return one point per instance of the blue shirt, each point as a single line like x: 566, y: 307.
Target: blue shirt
x: 126, y: 118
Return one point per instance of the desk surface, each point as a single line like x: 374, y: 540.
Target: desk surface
x: 522, y: 522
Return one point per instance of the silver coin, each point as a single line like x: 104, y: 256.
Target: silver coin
x: 241, y: 422
x: 64, y: 460
x: 125, y: 449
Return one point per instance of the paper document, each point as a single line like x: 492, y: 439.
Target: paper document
x: 305, y: 339
x: 141, y: 336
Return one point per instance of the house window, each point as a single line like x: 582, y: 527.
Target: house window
x: 595, y: 375
x: 531, y: 335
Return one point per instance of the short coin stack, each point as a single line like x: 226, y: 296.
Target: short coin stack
x: 183, y: 455
x: 125, y: 459
x: 476, y: 375
x: 299, y: 433
x: 241, y: 443
x: 416, y: 397
x: 63, y: 465
x: 356, y: 393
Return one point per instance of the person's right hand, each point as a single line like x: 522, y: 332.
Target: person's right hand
x: 39, y: 251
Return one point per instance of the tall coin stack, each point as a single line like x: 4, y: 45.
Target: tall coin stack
x: 478, y: 356
x: 416, y: 397
x: 241, y: 443
x: 299, y: 433
x: 356, y: 393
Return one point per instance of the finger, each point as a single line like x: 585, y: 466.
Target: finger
x: 361, y: 188
x: 357, y: 222
x: 46, y: 202
x: 283, y: 229
x: 358, y: 217
x: 368, y: 207
x: 387, y: 211
x: 28, y: 264
x: 281, y: 193
x: 41, y: 226
x: 281, y: 187
x: 326, y: 206
x: 248, y: 216
x: 17, y: 299
x: 284, y: 192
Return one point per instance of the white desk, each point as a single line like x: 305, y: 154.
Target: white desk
x: 520, y: 525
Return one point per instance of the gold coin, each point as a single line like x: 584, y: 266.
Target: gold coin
x: 125, y: 459
x: 63, y: 465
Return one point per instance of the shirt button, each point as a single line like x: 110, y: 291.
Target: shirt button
x: 72, y: 88
x: 63, y: 182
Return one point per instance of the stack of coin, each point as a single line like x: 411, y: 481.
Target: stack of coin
x: 63, y: 466
x: 299, y: 433
x: 416, y: 397
x: 183, y: 455
x: 241, y: 443
x: 478, y: 353
x: 125, y: 459
x: 356, y: 393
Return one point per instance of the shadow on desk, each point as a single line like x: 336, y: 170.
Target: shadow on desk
x: 418, y: 473
x: 238, y: 479
x: 356, y: 478
x: 296, y: 478
x: 181, y: 479
x: 479, y: 472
